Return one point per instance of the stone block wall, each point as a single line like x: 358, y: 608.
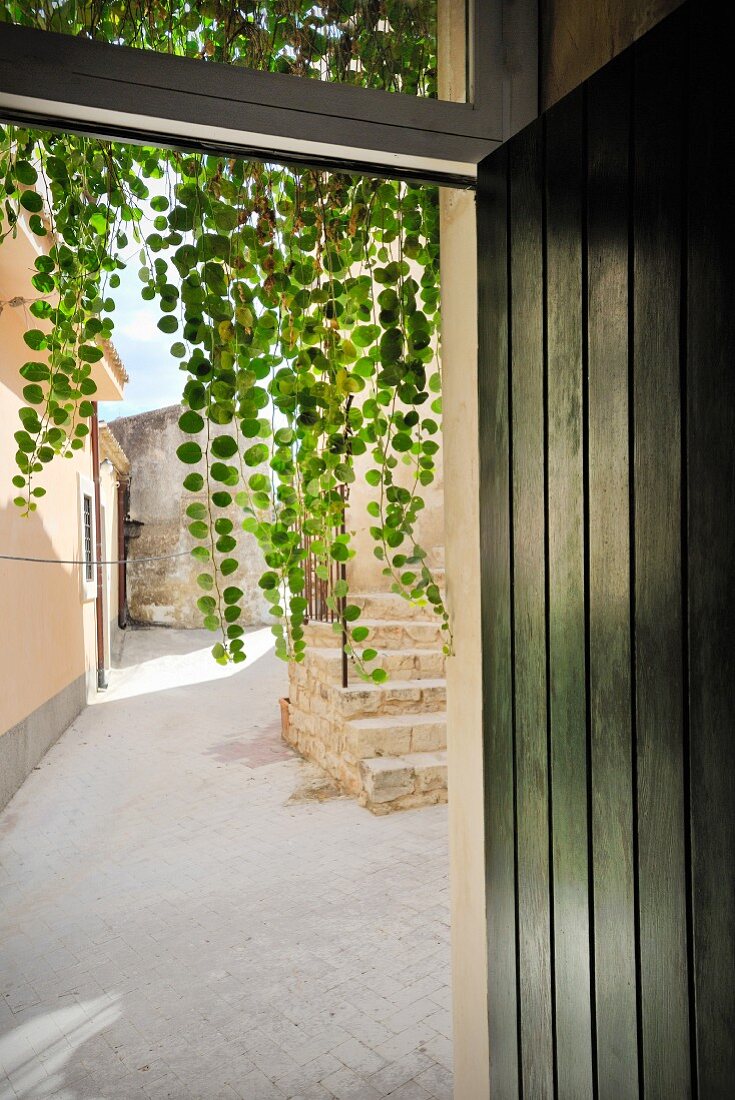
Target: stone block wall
x: 384, y: 744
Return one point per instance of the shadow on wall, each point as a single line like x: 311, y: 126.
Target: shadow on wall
x: 42, y: 644
x: 42, y: 641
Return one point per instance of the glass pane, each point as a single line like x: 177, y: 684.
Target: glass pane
x: 385, y: 44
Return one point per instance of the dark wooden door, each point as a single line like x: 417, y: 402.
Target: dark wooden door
x: 607, y: 433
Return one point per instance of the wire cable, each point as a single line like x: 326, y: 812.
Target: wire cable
x: 74, y: 561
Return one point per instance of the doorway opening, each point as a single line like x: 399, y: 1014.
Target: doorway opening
x: 302, y: 311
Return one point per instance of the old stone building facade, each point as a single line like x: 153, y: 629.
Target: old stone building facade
x: 165, y: 591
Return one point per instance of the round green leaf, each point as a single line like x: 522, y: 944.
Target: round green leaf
x: 35, y: 339
x: 25, y: 173
x: 191, y: 423
x: 402, y: 441
x: 189, y: 452
x: 98, y: 222
x: 35, y: 372
x: 223, y: 446
x: 33, y: 394
x: 32, y: 202
x: 88, y: 353
x: 193, y: 482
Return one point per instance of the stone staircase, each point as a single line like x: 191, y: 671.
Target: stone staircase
x: 385, y: 744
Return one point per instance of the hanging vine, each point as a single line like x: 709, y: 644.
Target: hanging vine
x: 302, y: 307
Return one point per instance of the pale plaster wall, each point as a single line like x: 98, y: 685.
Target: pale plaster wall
x: 48, y: 636
x: 365, y: 571
x: 462, y: 549
x: 165, y: 592
x: 464, y: 669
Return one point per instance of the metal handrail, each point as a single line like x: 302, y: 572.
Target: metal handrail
x: 319, y: 590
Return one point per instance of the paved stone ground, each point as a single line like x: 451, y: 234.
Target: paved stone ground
x: 179, y: 917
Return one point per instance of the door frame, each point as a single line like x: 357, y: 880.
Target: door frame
x: 60, y: 81
x: 55, y: 81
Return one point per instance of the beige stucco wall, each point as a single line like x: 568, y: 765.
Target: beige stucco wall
x: 48, y: 636
x: 365, y: 571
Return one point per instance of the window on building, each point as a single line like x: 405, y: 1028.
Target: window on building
x: 88, y: 558
x: 87, y: 545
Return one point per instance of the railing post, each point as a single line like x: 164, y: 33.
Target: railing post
x: 343, y: 599
x: 318, y: 590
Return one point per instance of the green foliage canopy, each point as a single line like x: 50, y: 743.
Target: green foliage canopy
x: 303, y: 311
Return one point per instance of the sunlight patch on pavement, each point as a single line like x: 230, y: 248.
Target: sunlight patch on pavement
x: 183, y: 669
x: 35, y: 1055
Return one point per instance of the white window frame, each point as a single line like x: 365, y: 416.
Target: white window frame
x: 89, y: 584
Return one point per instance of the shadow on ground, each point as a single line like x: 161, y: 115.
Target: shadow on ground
x: 186, y: 911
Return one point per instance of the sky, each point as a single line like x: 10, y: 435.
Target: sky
x: 155, y: 378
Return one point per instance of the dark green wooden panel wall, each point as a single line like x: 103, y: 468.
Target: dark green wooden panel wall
x: 607, y: 401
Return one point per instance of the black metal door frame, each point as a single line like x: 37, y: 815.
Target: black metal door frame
x: 60, y: 81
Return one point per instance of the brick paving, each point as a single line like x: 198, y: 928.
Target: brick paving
x: 180, y: 917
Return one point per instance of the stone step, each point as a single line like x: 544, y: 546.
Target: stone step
x: 384, y: 634
x: 395, y: 735
x: 400, y: 664
x: 396, y: 697
x: 391, y: 606
x: 403, y: 782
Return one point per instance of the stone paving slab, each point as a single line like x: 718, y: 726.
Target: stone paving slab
x: 182, y: 916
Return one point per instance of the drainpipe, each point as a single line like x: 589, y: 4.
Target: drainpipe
x: 99, y: 615
x: 123, y: 486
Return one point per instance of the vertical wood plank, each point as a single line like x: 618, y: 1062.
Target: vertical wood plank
x: 612, y: 810
x: 711, y: 544
x: 566, y: 611
x: 495, y: 538
x: 658, y: 226
x: 529, y: 588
